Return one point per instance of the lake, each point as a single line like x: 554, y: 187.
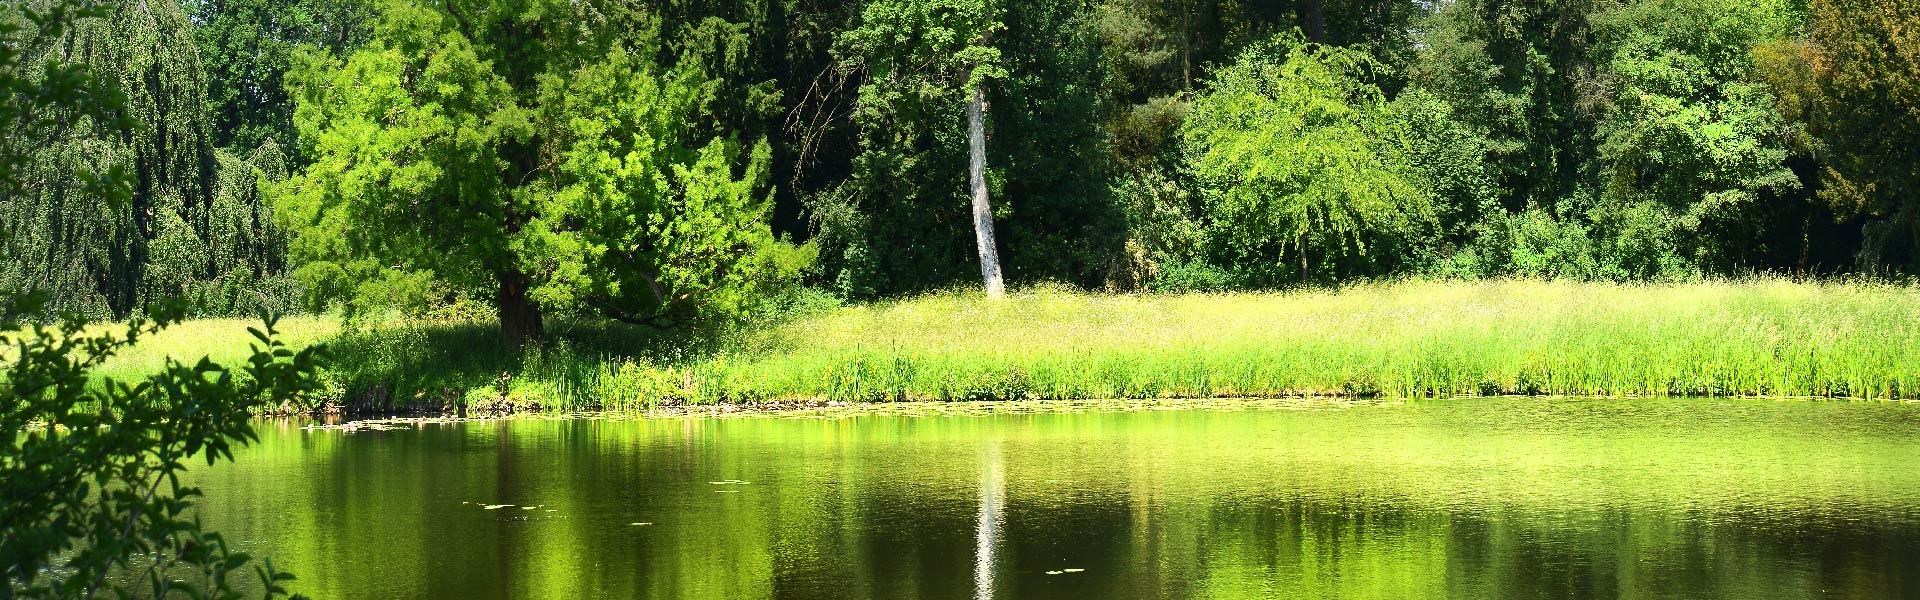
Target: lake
x: 1469, y: 498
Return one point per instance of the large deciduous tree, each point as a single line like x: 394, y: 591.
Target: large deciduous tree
x: 914, y: 52
x: 1855, y: 82
x: 548, y: 154
x: 901, y: 221
x: 1689, y: 140
x: 1300, y: 157
x: 1516, y: 71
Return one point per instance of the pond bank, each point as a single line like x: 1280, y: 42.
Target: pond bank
x: 830, y: 409
x: 1403, y: 339
x: 1762, y: 337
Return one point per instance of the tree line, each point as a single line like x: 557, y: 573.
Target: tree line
x: 662, y: 162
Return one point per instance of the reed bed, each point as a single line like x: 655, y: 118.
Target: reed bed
x: 1416, y: 338
x: 1763, y: 337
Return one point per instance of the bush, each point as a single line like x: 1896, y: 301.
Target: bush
x: 90, y: 473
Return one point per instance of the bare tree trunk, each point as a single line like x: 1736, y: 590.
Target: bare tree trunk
x: 1316, y: 22
x: 977, y: 178
x: 1186, y: 46
x: 1303, y: 258
x: 519, y: 315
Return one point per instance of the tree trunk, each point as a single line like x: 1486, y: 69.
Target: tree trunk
x: 1303, y: 258
x: 1316, y: 22
x: 519, y: 315
x: 977, y: 178
x: 1186, y: 46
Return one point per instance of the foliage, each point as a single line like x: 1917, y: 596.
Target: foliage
x: 900, y: 221
x: 1690, y: 141
x: 89, y: 469
x: 1529, y: 244
x: 1516, y: 71
x: 1863, y: 104
x: 1451, y: 156
x: 1303, y: 163
x: 913, y: 61
x: 1648, y: 125
x: 247, y: 47
x: 565, y: 169
x: 662, y: 163
x: 91, y: 472
x: 189, y: 228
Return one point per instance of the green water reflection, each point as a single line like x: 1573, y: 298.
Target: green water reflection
x: 1510, y: 498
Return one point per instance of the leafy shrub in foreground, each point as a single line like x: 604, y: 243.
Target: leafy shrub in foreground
x: 90, y: 473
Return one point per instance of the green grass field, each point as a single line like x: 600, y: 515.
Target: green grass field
x: 224, y: 340
x: 1755, y: 338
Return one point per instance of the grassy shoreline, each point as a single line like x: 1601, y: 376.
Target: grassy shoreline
x: 1753, y: 338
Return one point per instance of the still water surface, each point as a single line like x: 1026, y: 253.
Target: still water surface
x: 1481, y: 498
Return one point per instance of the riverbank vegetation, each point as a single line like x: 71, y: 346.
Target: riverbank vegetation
x: 1764, y: 337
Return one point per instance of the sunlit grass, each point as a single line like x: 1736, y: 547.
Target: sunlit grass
x: 1764, y: 337
x: 226, y: 341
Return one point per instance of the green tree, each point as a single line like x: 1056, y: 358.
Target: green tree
x: 913, y: 55
x: 494, y: 147
x: 1855, y: 83
x: 1691, y: 142
x: 103, y: 258
x: 1303, y: 163
x: 1451, y: 156
x: 90, y: 468
x: 247, y: 46
x: 900, y: 221
x: 1517, y: 71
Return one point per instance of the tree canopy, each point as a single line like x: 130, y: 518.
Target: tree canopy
x: 1302, y: 162
x: 195, y: 224
x: 493, y: 148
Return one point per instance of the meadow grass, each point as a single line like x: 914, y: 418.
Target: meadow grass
x: 226, y: 341
x: 1763, y: 337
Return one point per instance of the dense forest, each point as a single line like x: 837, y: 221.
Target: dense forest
x: 656, y: 162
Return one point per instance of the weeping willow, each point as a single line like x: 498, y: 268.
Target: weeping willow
x: 196, y: 225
